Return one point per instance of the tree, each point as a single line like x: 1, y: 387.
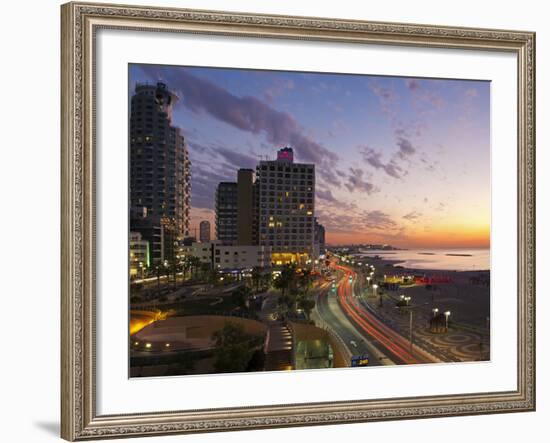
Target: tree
x: 239, y: 296
x: 305, y: 280
x: 307, y: 304
x: 256, y: 278
x: 286, y: 279
x: 186, y: 266
x: 194, y: 264
x: 233, y: 348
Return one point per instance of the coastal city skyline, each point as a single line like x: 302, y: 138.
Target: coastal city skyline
x: 400, y: 161
x: 274, y: 218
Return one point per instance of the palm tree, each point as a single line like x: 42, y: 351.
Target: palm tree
x: 256, y: 278
x: 194, y: 264
x: 307, y: 304
x: 305, y: 280
x: 286, y: 279
x: 158, y: 272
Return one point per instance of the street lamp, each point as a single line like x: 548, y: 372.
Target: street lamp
x: 447, y: 315
x: 141, y: 269
x: 407, y: 300
x: 374, y: 288
x: 435, y: 311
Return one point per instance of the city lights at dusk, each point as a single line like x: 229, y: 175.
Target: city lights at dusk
x: 292, y: 220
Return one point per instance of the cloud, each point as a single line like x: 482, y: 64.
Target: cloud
x: 204, y: 182
x: 413, y: 84
x: 326, y: 173
x: 386, y: 97
x: 245, y: 113
x: 412, y: 216
x: 424, y: 93
x: 383, y: 93
x: 325, y: 194
x: 374, y: 158
x: 356, y: 182
x: 327, y: 201
x: 237, y: 159
x: 378, y: 220
x: 405, y: 147
x: 279, y: 87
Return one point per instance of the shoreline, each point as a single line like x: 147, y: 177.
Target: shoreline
x: 399, y: 265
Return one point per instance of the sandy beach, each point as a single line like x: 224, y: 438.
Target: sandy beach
x: 464, y: 294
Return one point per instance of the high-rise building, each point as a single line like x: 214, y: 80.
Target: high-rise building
x: 286, y: 207
x: 159, y: 162
x: 319, y: 239
x: 226, y: 212
x: 204, y: 231
x: 245, y: 207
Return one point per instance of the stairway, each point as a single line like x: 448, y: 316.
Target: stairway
x: 279, y: 348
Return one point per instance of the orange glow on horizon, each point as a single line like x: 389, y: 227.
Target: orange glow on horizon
x: 440, y: 237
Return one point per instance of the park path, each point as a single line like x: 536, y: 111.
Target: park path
x: 279, y: 343
x: 279, y: 352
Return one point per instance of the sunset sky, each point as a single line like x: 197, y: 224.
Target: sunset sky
x: 403, y: 161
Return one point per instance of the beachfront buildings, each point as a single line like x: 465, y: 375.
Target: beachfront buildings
x: 246, y: 208
x: 273, y: 208
x: 139, y: 254
x: 232, y: 258
x: 204, y: 231
x: 159, y: 171
x: 286, y: 207
x: 318, y: 238
x: 226, y: 212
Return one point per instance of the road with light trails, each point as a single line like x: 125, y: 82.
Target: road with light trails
x: 391, y: 342
x: 329, y: 311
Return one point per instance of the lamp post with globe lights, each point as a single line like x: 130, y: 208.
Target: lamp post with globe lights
x: 447, y: 315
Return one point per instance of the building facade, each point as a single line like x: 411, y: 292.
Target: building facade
x: 140, y: 259
x: 160, y: 170
x: 227, y: 258
x: 319, y: 239
x: 204, y: 231
x: 286, y: 208
x: 245, y: 207
x: 226, y: 212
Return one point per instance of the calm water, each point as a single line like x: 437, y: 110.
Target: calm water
x: 471, y: 259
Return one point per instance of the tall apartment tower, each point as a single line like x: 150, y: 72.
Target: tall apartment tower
x: 226, y: 212
x: 245, y: 207
x: 286, y: 207
x: 204, y: 231
x: 160, y: 170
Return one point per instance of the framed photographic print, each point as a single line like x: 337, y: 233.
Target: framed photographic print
x: 282, y: 221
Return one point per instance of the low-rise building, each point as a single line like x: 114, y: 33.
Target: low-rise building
x: 232, y: 257
x: 140, y: 258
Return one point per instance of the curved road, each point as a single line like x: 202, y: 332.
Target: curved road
x: 397, y: 347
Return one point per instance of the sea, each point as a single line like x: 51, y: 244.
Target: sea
x: 443, y: 259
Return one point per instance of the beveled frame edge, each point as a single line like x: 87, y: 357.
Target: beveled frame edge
x: 78, y: 24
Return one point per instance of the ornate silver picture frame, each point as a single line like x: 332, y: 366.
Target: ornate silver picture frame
x: 80, y: 23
